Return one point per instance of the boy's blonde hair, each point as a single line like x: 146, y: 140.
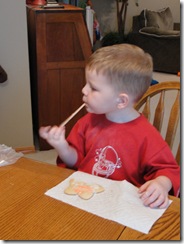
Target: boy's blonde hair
x: 127, y: 67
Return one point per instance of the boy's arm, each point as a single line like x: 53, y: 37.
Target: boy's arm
x: 67, y: 154
x: 55, y: 136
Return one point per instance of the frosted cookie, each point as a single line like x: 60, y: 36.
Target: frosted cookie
x: 82, y: 189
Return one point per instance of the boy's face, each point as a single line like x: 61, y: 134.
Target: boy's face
x: 98, y: 94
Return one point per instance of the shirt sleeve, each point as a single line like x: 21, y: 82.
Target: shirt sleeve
x: 164, y: 163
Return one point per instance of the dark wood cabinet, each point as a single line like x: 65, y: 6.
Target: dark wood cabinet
x: 59, y: 46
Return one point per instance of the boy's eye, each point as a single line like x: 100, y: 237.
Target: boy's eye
x: 93, y: 89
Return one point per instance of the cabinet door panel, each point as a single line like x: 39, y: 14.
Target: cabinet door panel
x: 50, y: 106
x: 59, y: 46
x: 62, y: 93
x: 62, y: 44
x: 72, y: 81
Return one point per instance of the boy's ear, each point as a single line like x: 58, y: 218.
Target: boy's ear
x: 122, y: 100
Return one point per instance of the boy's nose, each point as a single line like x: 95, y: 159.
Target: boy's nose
x: 85, y: 90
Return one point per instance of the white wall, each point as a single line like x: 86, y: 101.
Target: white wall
x: 15, y: 101
x: 106, y: 11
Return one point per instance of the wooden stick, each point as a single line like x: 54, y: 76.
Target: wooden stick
x: 72, y: 115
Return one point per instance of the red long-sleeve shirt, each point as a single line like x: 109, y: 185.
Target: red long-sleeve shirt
x: 134, y: 151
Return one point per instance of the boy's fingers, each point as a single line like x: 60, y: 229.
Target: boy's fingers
x: 44, y: 130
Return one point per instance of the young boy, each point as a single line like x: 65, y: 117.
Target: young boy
x: 114, y: 140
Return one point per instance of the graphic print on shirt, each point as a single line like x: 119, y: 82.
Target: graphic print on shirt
x: 107, y: 161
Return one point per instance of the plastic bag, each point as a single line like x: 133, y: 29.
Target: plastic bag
x: 8, y: 155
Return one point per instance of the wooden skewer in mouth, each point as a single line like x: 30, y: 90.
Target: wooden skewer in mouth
x: 72, y: 115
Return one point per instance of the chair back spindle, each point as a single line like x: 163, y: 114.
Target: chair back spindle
x: 156, y: 97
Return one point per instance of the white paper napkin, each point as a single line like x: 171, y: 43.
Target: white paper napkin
x: 119, y: 202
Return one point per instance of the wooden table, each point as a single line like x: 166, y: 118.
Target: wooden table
x: 27, y: 214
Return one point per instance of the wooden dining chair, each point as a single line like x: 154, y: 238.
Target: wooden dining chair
x: 161, y: 106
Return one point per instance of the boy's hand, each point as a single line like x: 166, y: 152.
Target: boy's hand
x: 53, y: 135
x: 154, y: 193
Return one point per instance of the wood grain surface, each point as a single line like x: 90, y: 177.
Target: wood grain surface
x: 27, y: 214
